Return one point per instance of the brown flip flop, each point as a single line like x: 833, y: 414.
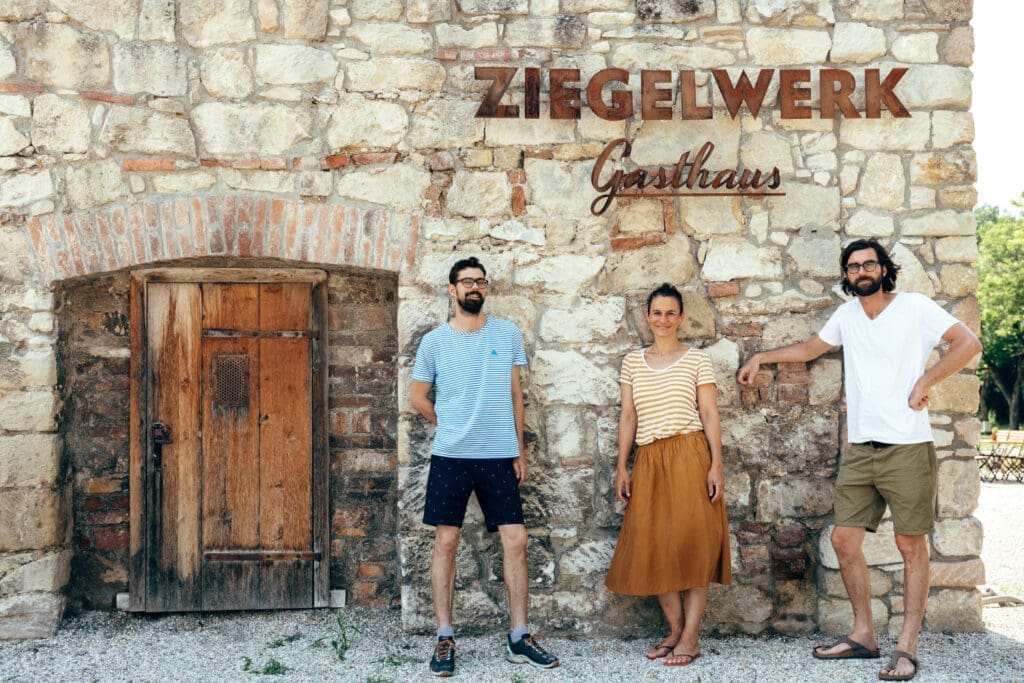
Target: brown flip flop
x: 894, y: 659
x: 693, y: 658
x: 856, y: 651
x: 659, y: 651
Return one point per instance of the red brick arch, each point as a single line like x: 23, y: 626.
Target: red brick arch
x: 70, y: 245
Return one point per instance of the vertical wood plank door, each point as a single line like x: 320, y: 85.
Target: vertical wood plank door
x: 233, y: 489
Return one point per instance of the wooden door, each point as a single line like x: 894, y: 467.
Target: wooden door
x: 229, y: 462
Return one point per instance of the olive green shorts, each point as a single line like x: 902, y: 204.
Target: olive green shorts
x: 902, y: 476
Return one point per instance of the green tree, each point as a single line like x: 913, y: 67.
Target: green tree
x: 1001, y: 298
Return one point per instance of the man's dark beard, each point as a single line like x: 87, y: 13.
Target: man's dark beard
x: 471, y: 305
x: 867, y: 290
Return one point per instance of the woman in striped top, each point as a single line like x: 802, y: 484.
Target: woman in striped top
x: 675, y: 536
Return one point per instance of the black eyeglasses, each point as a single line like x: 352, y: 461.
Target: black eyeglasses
x: 469, y: 282
x: 867, y: 267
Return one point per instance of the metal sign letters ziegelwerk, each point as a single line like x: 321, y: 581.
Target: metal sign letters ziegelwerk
x: 692, y: 175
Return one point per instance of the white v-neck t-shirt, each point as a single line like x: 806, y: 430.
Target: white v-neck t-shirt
x: 882, y: 360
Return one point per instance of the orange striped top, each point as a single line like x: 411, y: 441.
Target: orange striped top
x: 666, y: 399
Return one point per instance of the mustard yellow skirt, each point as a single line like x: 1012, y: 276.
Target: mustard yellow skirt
x: 672, y: 538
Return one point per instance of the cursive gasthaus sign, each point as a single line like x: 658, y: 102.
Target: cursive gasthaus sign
x: 610, y: 96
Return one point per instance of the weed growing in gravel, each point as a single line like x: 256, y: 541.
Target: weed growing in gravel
x: 271, y: 668
x: 393, y: 658
x: 340, y: 637
x: 280, y: 642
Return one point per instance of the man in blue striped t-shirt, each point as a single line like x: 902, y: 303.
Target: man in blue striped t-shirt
x: 473, y: 363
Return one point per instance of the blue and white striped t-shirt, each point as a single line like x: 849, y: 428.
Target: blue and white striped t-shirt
x: 472, y: 377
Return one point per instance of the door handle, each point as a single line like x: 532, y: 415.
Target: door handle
x: 160, y: 435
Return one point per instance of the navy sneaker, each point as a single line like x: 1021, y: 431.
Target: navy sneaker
x: 443, y: 662
x: 529, y: 650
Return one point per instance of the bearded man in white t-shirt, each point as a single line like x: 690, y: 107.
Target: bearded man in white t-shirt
x: 886, y: 339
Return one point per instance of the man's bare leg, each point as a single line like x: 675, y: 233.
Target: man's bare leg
x: 848, y: 542
x: 513, y: 547
x: 915, y: 596
x: 442, y: 572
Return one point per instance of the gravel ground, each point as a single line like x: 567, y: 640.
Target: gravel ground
x: 106, y: 646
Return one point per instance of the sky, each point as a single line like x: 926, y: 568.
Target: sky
x: 998, y: 102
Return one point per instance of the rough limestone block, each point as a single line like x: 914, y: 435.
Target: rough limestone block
x: 879, y: 547
x: 866, y: 223
x: 805, y: 205
x: 954, y: 610
x: 294, y: 65
x: 560, y: 190
x: 398, y: 186
x: 738, y: 608
x: 958, y: 537
x: 29, y: 460
x: 956, y: 249
x: 559, y: 31
x: 939, y: 223
x: 455, y: 36
x: 494, y: 6
x: 959, y: 280
x: 570, y: 320
x: 792, y: 497
x: 826, y: 382
x: 814, y: 253
x: 933, y: 86
x: 959, y: 488
x: 35, y: 519
x: 966, y: 574
x: 641, y: 270
x: 233, y: 130
x: 60, y: 124
x: 886, y: 133
x: 572, y: 378
x: 956, y: 394
x: 881, y: 583
x: 27, y: 411
x: 636, y: 56
x: 48, y: 573
x: 479, y: 193
x: 12, y: 140
x: 94, y: 184
x: 587, y: 558
x: 134, y: 129
x: 63, y: 57
x: 883, y: 185
x: 951, y: 128
x: 156, y: 20
x: 153, y: 68
x: 733, y: 258
x: 304, y: 19
x: 873, y: 10
x: 427, y: 11
x: 956, y: 166
x: 376, y: 10
x: 786, y: 46
x: 445, y: 124
x: 391, y: 39
x: 225, y: 73
x: 102, y: 15
x: 916, y: 48
x: 856, y: 43
x: 835, y: 617
x: 396, y: 73
x: 35, y: 615
x: 204, y: 23
x: 710, y: 216
x: 913, y: 277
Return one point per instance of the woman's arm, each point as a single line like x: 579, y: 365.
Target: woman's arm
x: 627, y: 436
x: 707, y: 406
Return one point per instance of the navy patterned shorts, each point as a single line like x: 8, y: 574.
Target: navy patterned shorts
x: 451, y: 480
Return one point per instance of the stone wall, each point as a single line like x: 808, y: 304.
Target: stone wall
x: 342, y: 133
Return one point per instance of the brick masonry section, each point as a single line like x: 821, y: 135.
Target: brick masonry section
x: 73, y: 245
x: 93, y: 352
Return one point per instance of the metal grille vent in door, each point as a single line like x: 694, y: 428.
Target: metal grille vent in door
x: 231, y: 380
